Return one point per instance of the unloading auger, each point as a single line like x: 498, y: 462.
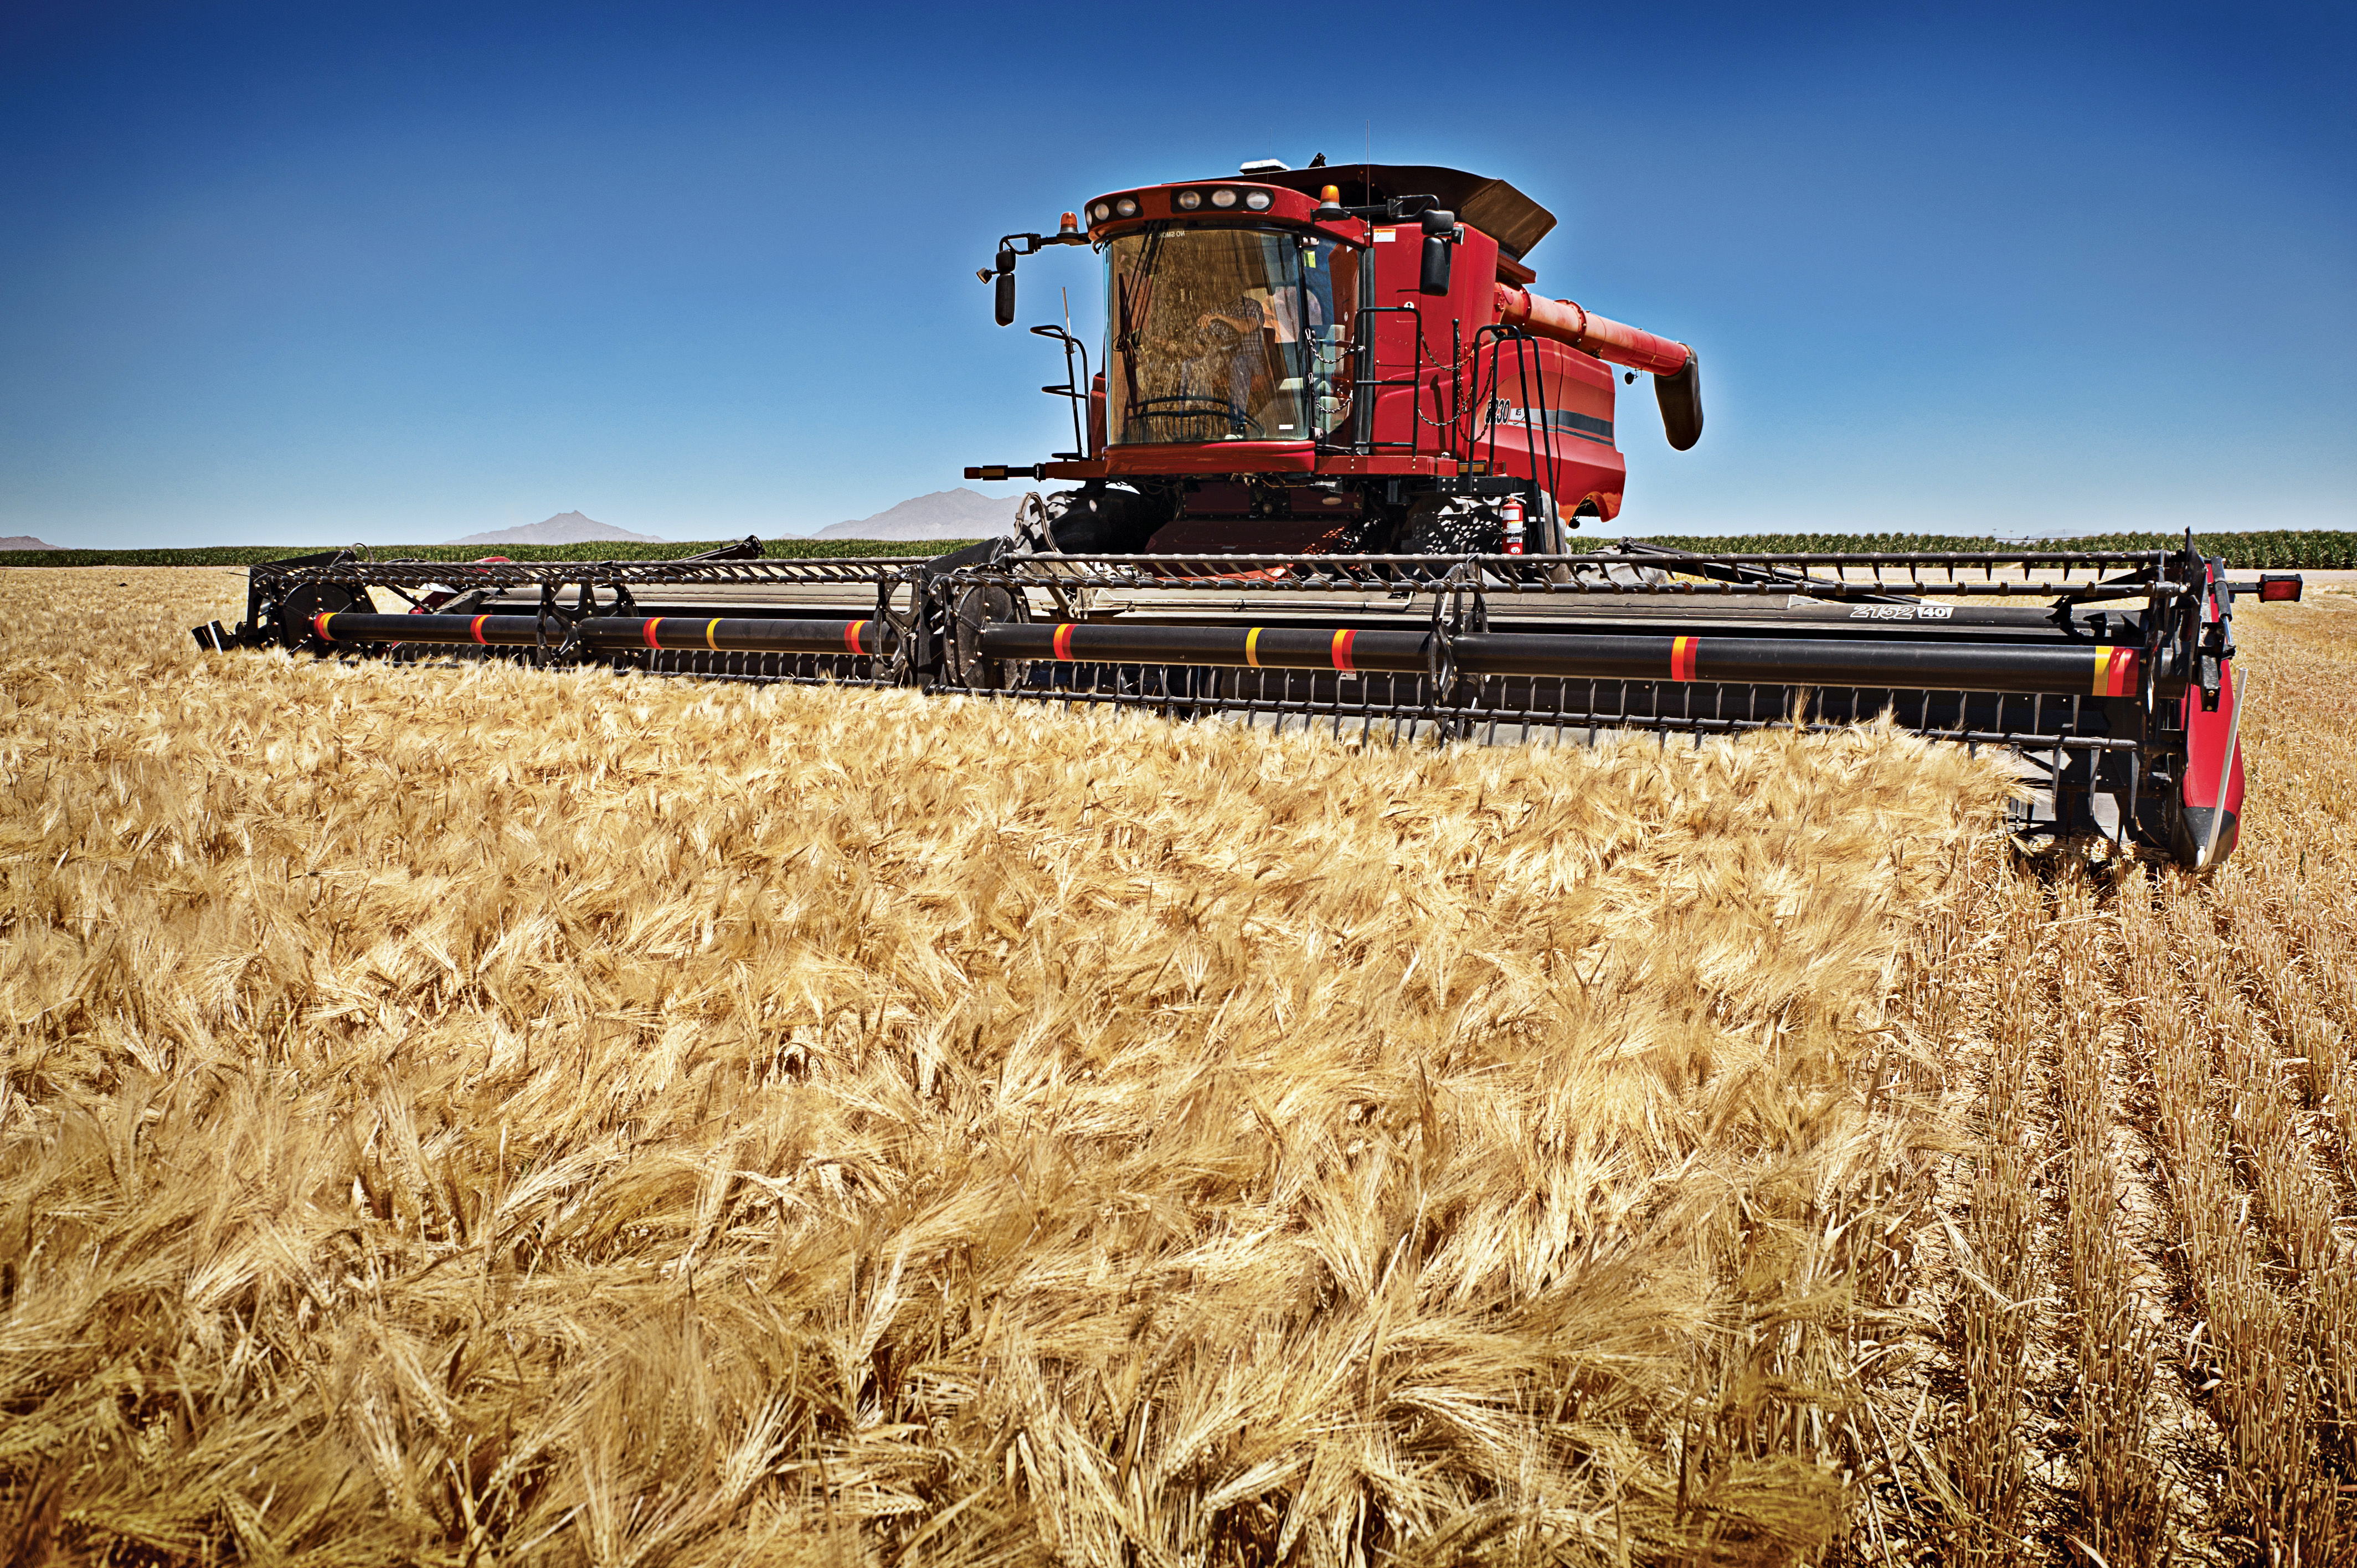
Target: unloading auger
x: 1327, y: 476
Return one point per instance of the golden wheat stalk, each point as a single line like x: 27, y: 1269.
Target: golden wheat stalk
x: 475, y: 1114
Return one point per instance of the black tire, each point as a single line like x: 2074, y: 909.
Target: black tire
x: 292, y: 621
x: 1103, y: 521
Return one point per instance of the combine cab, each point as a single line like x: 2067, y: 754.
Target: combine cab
x: 1327, y: 475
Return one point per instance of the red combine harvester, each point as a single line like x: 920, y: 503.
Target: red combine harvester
x: 1327, y: 475
x: 1327, y: 361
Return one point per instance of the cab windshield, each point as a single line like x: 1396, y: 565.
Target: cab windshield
x: 1224, y: 334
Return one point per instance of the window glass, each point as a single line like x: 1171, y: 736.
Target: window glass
x: 1226, y: 334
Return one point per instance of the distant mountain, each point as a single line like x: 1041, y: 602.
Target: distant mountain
x: 24, y: 542
x: 959, y: 513
x: 564, y: 527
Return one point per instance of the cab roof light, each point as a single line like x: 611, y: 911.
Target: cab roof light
x: 1070, y: 224
x: 1223, y: 198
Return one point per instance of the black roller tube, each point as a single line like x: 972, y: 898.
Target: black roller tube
x: 762, y: 634
x: 1255, y: 647
x: 495, y: 631
x: 617, y: 634
x: 1947, y: 666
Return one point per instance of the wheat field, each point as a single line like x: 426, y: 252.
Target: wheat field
x: 466, y: 1116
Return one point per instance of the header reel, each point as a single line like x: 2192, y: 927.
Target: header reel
x: 2110, y: 674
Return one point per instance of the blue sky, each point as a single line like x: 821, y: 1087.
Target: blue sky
x: 303, y: 274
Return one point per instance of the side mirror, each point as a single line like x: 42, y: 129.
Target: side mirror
x: 1006, y: 288
x: 1681, y: 400
x: 1436, y: 266
x: 1439, y: 236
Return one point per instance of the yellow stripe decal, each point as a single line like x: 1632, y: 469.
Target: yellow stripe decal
x: 708, y: 642
x: 1252, y: 647
x: 2102, y: 671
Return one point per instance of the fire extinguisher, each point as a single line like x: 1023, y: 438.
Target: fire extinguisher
x: 1512, y: 512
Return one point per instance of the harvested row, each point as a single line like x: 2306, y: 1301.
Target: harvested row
x: 2184, y: 1195
x: 2248, y: 1335
x: 2123, y: 1509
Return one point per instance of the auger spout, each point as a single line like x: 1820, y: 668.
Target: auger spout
x: 1591, y: 334
x: 1677, y: 379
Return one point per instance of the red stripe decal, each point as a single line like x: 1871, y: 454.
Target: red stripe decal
x: 1064, y: 641
x: 851, y: 631
x: 2123, y: 673
x: 649, y: 632
x: 475, y: 628
x: 1681, y: 658
x: 1343, y: 640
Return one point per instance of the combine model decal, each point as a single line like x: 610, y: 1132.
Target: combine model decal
x: 1586, y: 425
